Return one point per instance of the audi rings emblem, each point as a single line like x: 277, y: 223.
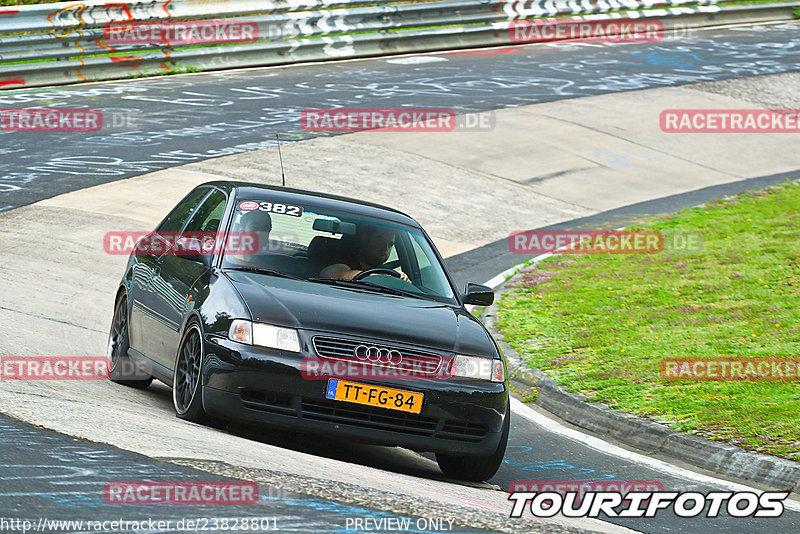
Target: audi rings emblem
x: 378, y: 355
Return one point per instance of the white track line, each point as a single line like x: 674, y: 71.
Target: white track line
x: 598, y: 444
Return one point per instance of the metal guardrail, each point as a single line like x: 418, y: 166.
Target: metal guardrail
x: 48, y: 44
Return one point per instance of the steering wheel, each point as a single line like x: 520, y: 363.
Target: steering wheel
x: 375, y: 270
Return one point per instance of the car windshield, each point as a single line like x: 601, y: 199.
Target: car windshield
x: 326, y: 247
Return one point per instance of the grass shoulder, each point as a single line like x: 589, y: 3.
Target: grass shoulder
x: 601, y: 323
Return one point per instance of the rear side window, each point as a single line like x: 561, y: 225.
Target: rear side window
x: 178, y: 216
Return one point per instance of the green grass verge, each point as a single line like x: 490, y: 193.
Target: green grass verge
x: 600, y: 324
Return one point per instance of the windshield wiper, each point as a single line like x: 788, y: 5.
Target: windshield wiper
x: 263, y: 270
x: 365, y: 285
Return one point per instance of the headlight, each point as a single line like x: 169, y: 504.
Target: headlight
x: 264, y: 335
x: 477, y: 367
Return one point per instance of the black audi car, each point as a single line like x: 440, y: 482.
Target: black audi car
x: 315, y: 313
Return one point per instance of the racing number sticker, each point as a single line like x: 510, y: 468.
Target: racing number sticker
x: 283, y: 209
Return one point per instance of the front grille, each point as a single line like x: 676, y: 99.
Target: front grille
x: 463, y: 430
x: 362, y: 416
x: 368, y: 417
x: 426, y: 363
x: 268, y: 402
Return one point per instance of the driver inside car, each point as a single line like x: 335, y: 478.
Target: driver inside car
x: 374, y: 247
x: 255, y: 225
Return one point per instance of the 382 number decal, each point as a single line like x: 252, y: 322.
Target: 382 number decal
x: 270, y: 207
x: 285, y: 209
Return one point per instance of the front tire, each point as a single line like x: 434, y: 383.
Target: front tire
x: 476, y: 468
x: 186, y: 388
x: 123, y: 370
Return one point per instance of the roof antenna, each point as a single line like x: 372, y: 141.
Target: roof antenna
x: 283, y: 176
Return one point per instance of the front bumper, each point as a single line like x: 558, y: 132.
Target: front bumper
x: 253, y: 384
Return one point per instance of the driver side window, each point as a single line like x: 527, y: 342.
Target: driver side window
x: 177, y: 217
x: 208, y: 217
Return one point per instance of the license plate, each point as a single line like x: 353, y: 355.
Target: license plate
x: 392, y: 399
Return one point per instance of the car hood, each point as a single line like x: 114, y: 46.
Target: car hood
x: 343, y: 311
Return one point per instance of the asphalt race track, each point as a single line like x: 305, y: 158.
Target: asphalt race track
x: 66, y: 490
x: 171, y: 121
x: 182, y: 119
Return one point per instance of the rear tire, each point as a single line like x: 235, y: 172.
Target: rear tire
x: 123, y: 369
x: 186, y: 387
x: 476, y: 468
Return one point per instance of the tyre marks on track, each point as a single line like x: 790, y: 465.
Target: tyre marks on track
x: 237, y: 111
x: 49, y: 475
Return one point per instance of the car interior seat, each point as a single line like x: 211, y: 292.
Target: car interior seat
x: 324, y: 251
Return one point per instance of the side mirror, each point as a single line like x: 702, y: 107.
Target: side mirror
x: 193, y: 249
x: 478, y: 295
